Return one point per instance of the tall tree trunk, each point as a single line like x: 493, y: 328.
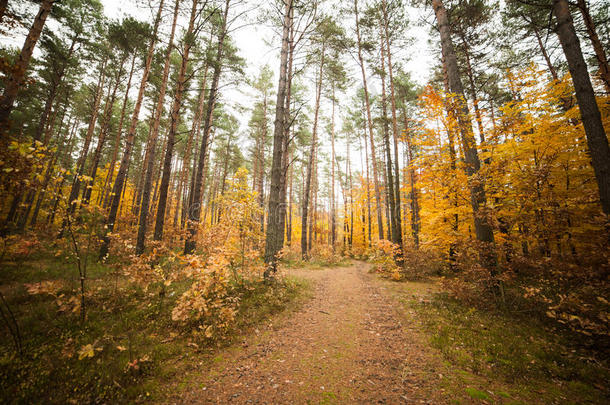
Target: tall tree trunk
x: 310, y: 164
x: 483, y: 229
x: 274, y: 236
x: 394, y: 222
x: 589, y: 111
x: 126, y: 159
x: 117, y: 142
x: 195, y: 207
x: 80, y: 166
x: 287, y: 139
x: 333, y: 214
x: 15, y: 79
x: 193, y: 136
x: 370, y: 125
x: 107, y: 115
x: 368, y: 189
x: 260, y: 161
x: 152, y: 141
x: 174, y: 118
x: 394, y: 130
x: 600, y: 54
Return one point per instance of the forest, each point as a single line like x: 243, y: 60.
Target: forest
x: 305, y: 201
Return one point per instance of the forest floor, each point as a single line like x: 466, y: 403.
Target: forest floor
x: 348, y: 344
x: 320, y: 335
x: 362, y: 339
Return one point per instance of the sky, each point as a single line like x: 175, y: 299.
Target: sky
x: 259, y: 45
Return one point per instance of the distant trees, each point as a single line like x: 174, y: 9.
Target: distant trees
x: 346, y: 153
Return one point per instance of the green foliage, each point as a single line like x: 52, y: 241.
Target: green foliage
x: 520, y: 351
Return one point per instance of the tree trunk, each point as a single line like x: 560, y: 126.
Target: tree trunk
x: 15, y: 79
x: 80, y: 166
x: 152, y: 141
x: 274, y: 236
x: 107, y: 116
x: 117, y: 142
x: 333, y: 214
x: 370, y: 125
x: 310, y: 164
x: 193, y: 136
x: 600, y: 54
x: 394, y: 222
x: 589, y: 111
x: 121, y: 175
x: 195, y: 207
x: 177, y: 105
x: 394, y: 130
x: 483, y: 229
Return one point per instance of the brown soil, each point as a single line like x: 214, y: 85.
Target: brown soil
x: 351, y: 343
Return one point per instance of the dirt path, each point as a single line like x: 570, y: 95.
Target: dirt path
x: 348, y: 344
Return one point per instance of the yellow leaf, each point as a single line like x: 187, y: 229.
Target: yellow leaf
x: 86, y: 351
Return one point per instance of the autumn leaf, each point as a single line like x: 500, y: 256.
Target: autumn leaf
x: 86, y: 351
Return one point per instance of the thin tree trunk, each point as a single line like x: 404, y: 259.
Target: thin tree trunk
x: 393, y: 222
x: 370, y: 125
x: 600, y: 54
x: 394, y: 131
x: 80, y: 166
x: 15, y: 79
x: 193, y: 136
x: 121, y: 175
x: 102, y: 138
x: 174, y: 118
x: 117, y: 142
x: 310, y: 165
x: 195, y: 208
x: 333, y: 214
x: 152, y: 141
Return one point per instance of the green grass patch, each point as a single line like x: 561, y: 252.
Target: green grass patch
x: 528, y: 359
x: 128, y: 348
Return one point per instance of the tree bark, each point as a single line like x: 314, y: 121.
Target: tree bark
x: 310, y: 164
x: 600, y: 54
x: 152, y: 141
x: 393, y: 218
x: 274, y: 236
x: 107, y: 115
x: 80, y: 166
x: 370, y: 126
x: 126, y: 159
x: 117, y: 142
x: 395, y: 134
x: 195, y: 207
x: 589, y: 111
x: 15, y: 79
x: 483, y: 229
x: 174, y: 118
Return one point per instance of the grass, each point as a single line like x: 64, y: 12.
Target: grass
x: 504, y: 358
x: 135, y: 347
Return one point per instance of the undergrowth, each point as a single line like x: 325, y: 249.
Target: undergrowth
x: 129, y: 344
x: 538, y: 363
